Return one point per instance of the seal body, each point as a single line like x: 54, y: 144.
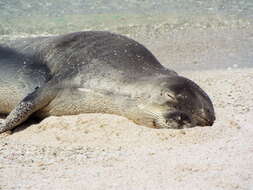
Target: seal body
x: 95, y: 72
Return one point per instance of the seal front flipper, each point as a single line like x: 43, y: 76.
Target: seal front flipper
x: 34, y: 101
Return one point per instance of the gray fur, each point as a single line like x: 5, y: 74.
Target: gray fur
x: 89, y: 72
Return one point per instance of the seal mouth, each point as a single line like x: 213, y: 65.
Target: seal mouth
x: 170, y: 124
x: 173, y: 120
x: 169, y: 119
x: 180, y: 120
x: 203, y: 121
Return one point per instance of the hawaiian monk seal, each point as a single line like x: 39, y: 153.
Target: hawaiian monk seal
x: 95, y: 71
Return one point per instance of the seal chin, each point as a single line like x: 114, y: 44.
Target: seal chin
x: 174, y: 120
x: 177, y: 119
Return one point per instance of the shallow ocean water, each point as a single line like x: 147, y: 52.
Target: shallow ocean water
x: 213, y: 34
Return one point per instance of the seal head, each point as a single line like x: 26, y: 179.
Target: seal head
x: 181, y: 103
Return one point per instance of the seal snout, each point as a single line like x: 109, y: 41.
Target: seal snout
x: 206, y: 116
x: 204, y: 119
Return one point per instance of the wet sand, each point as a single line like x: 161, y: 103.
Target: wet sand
x: 99, y: 151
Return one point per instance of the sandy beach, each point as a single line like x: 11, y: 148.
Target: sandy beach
x: 96, y: 151
x: 99, y: 151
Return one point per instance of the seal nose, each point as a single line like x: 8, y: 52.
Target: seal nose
x: 204, y: 120
x: 206, y: 116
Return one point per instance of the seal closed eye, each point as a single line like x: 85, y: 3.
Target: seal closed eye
x: 96, y: 72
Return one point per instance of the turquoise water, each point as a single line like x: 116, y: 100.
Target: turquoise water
x: 203, y: 33
x: 48, y: 15
x: 15, y: 8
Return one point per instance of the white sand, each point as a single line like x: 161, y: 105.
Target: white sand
x: 96, y: 151
x: 109, y: 152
